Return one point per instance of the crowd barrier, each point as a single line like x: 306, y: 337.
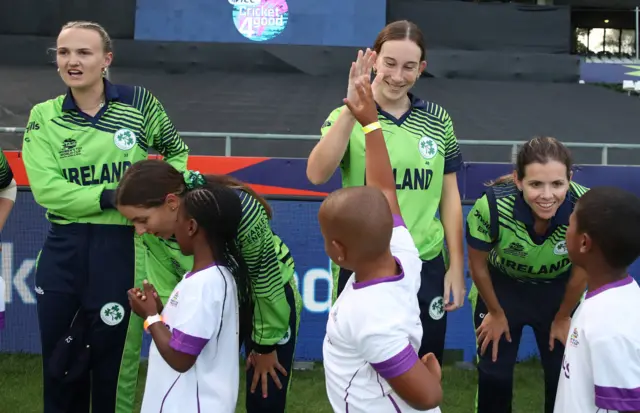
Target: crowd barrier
x: 294, y: 220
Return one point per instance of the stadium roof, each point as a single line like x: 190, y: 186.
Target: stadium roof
x: 298, y: 104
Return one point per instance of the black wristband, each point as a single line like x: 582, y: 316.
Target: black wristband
x: 262, y: 349
x: 107, y: 199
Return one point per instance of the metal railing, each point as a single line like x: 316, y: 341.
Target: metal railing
x: 228, y: 137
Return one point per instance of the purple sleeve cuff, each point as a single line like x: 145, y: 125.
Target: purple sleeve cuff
x: 398, y: 364
x: 398, y: 221
x: 622, y: 400
x: 185, y: 343
x: 1, y: 319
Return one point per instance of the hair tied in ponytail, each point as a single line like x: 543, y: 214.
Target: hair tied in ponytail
x: 194, y: 179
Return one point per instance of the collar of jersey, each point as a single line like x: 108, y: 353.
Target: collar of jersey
x: 522, y: 212
x: 110, y: 93
x: 416, y: 103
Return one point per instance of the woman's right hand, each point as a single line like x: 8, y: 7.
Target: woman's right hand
x: 362, y: 66
x: 493, y: 326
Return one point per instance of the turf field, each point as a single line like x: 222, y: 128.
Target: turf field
x: 20, y: 389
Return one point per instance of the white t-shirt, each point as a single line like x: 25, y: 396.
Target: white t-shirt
x: 601, y: 364
x: 374, y: 333
x: 202, y: 315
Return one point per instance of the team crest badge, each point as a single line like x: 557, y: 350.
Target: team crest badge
x: 436, y: 308
x: 112, y: 314
x: 286, y: 338
x: 560, y: 248
x: 427, y: 147
x: 124, y: 139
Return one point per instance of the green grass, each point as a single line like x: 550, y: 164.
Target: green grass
x: 20, y: 388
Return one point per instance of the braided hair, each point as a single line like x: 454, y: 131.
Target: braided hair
x: 218, y: 210
x: 213, y: 203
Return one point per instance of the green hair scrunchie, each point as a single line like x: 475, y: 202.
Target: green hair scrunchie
x: 193, y: 180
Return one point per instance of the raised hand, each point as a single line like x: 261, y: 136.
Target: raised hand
x: 362, y: 66
x: 362, y: 106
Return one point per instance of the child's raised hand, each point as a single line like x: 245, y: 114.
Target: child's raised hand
x: 363, y: 107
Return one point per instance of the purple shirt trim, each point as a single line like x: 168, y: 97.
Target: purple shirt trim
x: 198, y: 396
x: 398, y: 364
x: 189, y: 274
x: 1, y: 317
x: 619, y: 283
x: 395, y: 405
x: 164, y: 399
x: 398, y: 221
x: 613, y: 398
x: 185, y: 343
x: 390, y: 278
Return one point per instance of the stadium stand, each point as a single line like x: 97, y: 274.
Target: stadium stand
x: 293, y: 103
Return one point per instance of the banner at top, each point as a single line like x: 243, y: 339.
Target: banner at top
x: 297, y: 22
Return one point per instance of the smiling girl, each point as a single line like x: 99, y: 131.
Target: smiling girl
x: 521, y: 272
x: 424, y: 156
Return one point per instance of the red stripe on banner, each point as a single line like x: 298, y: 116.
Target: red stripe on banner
x: 221, y: 164
x: 277, y: 190
x: 15, y: 161
x: 203, y: 164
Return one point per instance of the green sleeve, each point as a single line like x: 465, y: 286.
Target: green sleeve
x: 165, y: 264
x: 163, y: 134
x: 49, y: 187
x: 452, y: 154
x: 330, y: 121
x: 6, y: 174
x: 577, y: 190
x: 480, y: 235
x: 271, y: 309
x: 327, y: 125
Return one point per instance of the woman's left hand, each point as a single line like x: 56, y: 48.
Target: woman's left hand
x: 454, y: 285
x: 263, y: 365
x: 559, y: 331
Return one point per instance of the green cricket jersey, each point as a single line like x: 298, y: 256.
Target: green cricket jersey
x: 501, y: 223
x: 70, y: 157
x: 6, y: 174
x: 422, y: 148
x: 268, y: 260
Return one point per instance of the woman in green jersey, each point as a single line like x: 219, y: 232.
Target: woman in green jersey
x: 521, y: 271
x: 425, y: 158
x: 150, y: 195
x: 75, y: 150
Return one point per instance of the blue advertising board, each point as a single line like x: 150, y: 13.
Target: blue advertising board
x: 296, y: 22
x: 296, y: 222
x: 608, y: 72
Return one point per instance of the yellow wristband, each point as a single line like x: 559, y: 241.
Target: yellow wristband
x: 152, y: 320
x: 371, y: 127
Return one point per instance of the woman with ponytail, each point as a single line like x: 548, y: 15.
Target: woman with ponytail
x: 195, y: 336
x: 151, y: 194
